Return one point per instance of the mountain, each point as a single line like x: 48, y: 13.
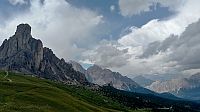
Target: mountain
x: 142, y: 81
x: 102, y: 77
x: 22, y: 53
x: 187, y: 88
x: 168, y: 86
x: 97, y: 75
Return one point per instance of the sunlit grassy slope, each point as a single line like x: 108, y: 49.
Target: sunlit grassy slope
x: 19, y: 93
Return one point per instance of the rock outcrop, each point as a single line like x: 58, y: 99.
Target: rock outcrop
x: 23, y: 53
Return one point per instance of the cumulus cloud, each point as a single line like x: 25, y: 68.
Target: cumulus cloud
x: 58, y: 24
x: 184, y: 48
x: 158, y: 30
x: 175, y: 55
x: 134, y: 7
x: 154, y: 30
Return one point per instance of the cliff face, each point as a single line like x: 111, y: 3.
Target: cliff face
x: 23, y: 53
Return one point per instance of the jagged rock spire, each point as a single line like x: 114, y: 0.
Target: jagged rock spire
x: 22, y: 46
x: 23, y: 29
x: 23, y: 53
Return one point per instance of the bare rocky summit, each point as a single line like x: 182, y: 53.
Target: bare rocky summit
x: 23, y: 53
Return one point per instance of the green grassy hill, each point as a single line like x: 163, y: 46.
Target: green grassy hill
x: 19, y: 93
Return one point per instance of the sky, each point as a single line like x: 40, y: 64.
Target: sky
x: 133, y: 37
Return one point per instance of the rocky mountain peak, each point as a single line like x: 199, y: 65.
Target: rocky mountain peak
x: 24, y: 30
x: 22, y: 41
x: 23, y: 53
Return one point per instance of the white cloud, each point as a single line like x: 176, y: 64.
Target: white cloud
x: 152, y: 31
x: 58, y: 24
x: 15, y: 2
x: 178, y: 56
x: 156, y: 29
x: 134, y: 7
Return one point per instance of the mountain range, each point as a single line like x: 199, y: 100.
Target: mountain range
x: 103, y: 76
x: 183, y: 87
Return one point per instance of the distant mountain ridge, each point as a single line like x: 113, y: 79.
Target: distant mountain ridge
x: 23, y: 53
x: 184, y: 88
x: 104, y: 77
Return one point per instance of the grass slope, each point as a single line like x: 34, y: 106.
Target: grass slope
x: 19, y: 93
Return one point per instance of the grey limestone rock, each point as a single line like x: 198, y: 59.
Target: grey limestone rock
x: 23, y: 53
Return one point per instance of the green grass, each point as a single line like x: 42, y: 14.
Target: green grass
x: 19, y: 93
